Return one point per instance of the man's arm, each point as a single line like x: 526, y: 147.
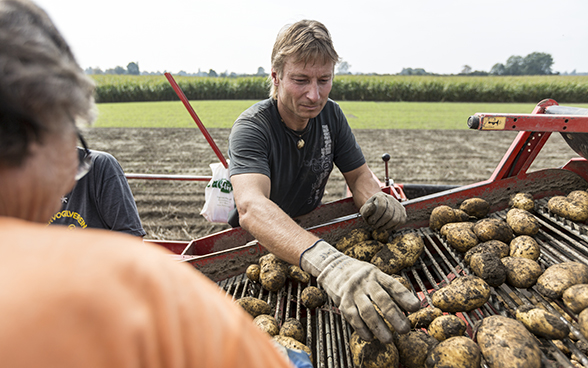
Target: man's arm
x: 362, y: 184
x: 266, y: 221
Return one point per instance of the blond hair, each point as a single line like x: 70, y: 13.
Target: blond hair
x: 304, y: 41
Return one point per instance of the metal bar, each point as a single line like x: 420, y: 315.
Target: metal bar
x: 168, y: 177
x: 532, y: 122
x: 197, y: 120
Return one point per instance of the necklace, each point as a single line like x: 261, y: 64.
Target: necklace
x: 300, y: 143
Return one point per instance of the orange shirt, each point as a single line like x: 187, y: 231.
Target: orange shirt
x: 95, y: 298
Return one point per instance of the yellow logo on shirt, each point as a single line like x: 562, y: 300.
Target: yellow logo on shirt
x: 69, y: 214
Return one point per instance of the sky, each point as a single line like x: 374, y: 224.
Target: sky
x: 371, y: 36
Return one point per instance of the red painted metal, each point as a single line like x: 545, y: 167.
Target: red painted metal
x: 182, y: 97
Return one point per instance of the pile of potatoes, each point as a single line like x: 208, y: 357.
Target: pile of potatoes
x: 573, y: 207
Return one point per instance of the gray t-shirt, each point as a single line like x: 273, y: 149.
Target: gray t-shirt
x: 261, y: 143
x: 101, y: 199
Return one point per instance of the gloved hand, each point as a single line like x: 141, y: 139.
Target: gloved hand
x: 355, y: 287
x: 383, y: 212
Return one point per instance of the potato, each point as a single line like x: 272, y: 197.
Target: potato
x: 497, y: 247
x: 297, y: 274
x: 558, y: 277
x: 267, y: 324
x: 475, y: 207
x: 447, y: 326
x: 293, y: 328
x: 443, y: 214
x: 254, y: 306
x: 488, y: 267
x: 464, y: 294
x: 313, y: 297
x: 402, y: 280
x: 525, y: 246
x: 252, y: 272
x: 413, y: 348
x: 403, y: 251
x: 521, y: 272
x: 372, y: 354
x: 455, y: 352
x: 583, y: 322
x: 383, y: 236
x: 576, y: 297
x: 273, y: 273
x: 424, y: 316
x: 541, y: 322
x: 522, y: 222
x: 493, y: 229
x: 351, y: 238
x: 505, y: 342
x: 574, y: 208
x: 524, y: 201
x: 365, y: 250
x: 291, y: 343
x: 460, y: 236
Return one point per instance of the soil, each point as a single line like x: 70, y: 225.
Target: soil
x: 170, y: 210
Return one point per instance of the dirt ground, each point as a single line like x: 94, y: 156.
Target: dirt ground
x: 170, y: 210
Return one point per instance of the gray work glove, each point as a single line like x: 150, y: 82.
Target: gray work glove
x: 354, y: 285
x: 383, y: 212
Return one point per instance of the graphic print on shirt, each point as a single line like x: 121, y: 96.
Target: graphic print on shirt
x: 78, y: 220
x: 322, y: 166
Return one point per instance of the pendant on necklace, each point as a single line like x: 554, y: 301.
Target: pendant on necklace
x: 300, y: 143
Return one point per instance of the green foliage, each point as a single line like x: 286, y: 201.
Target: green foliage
x: 536, y: 63
x: 528, y: 89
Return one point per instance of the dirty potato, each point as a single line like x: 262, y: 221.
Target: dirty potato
x: 493, y: 229
x: 522, y: 222
x: 558, y: 277
x: 497, y: 247
x: 403, y: 251
x: 424, y: 316
x: 541, y: 322
x: 496, y: 332
x: 291, y: 343
x: 254, y: 306
x: 576, y: 297
x: 583, y: 322
x: 372, y: 354
x: 521, y: 272
x: 526, y: 247
x: 297, y: 274
x: 351, y: 238
x: 488, y: 267
x: 267, y: 324
x: 313, y: 297
x: 574, y: 208
x: 475, y: 207
x: 446, y: 326
x: 252, y: 272
x: 443, y: 214
x: 464, y: 294
x: 293, y: 328
x: 402, y: 280
x: 273, y: 272
x: 365, y: 250
x: 524, y: 201
x: 383, y: 236
x: 455, y: 352
x: 413, y: 348
x: 460, y: 236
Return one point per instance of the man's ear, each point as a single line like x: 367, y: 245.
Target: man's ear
x: 275, y: 78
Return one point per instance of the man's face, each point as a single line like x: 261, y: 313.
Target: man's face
x: 303, y: 90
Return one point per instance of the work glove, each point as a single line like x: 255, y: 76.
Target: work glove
x: 355, y: 287
x: 383, y: 212
x: 298, y: 358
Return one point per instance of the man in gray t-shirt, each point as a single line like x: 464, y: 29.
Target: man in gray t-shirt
x: 102, y: 199
x: 281, y: 153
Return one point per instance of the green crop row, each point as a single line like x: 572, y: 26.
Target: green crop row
x: 124, y: 88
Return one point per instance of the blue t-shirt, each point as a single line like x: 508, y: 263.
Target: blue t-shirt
x: 261, y: 143
x: 101, y: 199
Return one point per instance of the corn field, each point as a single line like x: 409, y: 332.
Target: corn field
x: 566, y: 89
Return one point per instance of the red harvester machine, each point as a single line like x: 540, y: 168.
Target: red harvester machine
x: 224, y: 256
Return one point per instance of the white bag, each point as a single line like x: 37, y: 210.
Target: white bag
x: 218, y: 195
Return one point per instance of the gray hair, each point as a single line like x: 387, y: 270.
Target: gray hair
x: 42, y: 87
x: 306, y: 41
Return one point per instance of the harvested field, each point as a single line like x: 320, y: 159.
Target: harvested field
x: 170, y: 209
